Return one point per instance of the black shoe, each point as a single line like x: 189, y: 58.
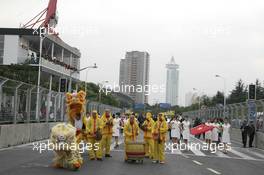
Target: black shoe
x: 108, y: 155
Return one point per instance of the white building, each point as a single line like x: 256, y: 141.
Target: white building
x: 172, y: 83
x: 134, y: 71
x: 22, y: 46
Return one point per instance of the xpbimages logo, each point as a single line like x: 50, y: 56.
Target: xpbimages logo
x: 213, y: 147
x: 125, y: 88
x: 63, y: 146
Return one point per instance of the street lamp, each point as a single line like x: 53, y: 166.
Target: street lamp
x: 101, y: 84
x: 91, y: 67
x: 224, y: 79
x: 39, y: 74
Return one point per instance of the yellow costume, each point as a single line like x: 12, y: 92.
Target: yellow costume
x: 107, y: 132
x: 159, y: 132
x: 94, y: 125
x: 131, y: 131
x: 149, y: 142
x: 75, y: 106
x: 63, y: 142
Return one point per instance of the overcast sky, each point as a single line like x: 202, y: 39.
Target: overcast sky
x: 206, y: 37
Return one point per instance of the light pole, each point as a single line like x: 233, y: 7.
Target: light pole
x: 100, y: 93
x: 91, y: 67
x: 224, y: 79
x: 39, y: 74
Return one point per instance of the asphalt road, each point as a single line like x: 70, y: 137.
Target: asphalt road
x: 22, y: 160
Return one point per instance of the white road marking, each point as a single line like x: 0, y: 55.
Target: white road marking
x: 176, y: 151
x: 212, y: 170
x: 244, y: 156
x: 196, y: 162
x: 220, y: 154
x: 196, y: 151
x: 185, y: 156
x: 257, y: 154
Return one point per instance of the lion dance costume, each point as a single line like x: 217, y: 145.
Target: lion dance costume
x: 65, y: 138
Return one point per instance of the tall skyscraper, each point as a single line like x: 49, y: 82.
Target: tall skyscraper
x: 134, y: 73
x: 172, y: 83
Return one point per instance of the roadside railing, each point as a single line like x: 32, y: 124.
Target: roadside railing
x: 236, y: 113
x: 18, y: 104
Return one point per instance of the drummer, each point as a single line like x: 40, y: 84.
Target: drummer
x: 131, y: 131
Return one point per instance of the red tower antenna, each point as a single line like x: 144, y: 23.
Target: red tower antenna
x: 50, y: 19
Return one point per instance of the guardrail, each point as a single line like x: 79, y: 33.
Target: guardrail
x: 236, y: 113
x: 18, y: 104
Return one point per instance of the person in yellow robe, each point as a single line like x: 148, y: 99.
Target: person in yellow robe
x: 107, y: 132
x: 131, y: 131
x: 159, y: 133
x: 94, y: 128
x: 148, y: 139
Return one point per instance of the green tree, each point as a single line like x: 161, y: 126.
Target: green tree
x: 259, y: 90
x: 239, y: 94
x: 218, y: 98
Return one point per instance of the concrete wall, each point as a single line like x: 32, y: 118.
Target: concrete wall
x: 16, y: 134
x: 236, y: 135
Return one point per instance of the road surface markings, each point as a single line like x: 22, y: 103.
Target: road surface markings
x: 185, y: 156
x: 220, y: 154
x: 196, y: 151
x: 256, y: 154
x: 176, y: 151
x: 196, y: 162
x: 212, y: 170
x: 244, y: 156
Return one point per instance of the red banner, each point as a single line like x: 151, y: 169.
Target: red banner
x: 200, y: 129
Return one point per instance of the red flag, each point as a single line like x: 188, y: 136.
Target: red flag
x: 200, y: 129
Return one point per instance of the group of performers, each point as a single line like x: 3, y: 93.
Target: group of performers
x: 219, y: 130
x: 98, y: 131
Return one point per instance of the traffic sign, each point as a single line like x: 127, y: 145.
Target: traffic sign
x: 252, y: 110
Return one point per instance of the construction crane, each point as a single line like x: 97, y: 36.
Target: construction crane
x: 50, y: 21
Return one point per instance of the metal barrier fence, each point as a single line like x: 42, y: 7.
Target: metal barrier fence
x: 18, y: 104
x: 235, y: 112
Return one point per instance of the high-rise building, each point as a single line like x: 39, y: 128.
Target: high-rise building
x: 172, y: 83
x: 134, y: 73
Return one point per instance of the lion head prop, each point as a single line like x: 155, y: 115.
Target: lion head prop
x: 75, y: 105
x: 63, y: 142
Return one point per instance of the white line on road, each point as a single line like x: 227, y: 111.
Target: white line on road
x: 176, y: 151
x: 185, y: 156
x: 220, y: 154
x: 196, y: 162
x: 257, y: 154
x: 212, y: 170
x: 196, y: 151
x: 241, y: 154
